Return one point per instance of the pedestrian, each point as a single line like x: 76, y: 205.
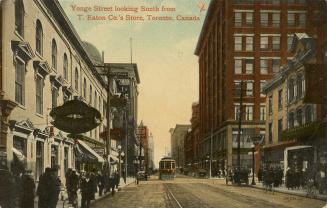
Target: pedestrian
x: 68, y: 188
x: 87, y: 190
x: 28, y: 187
x: 320, y: 179
x: 54, y: 187
x: 94, y: 181
x: 74, y: 184
x: 101, y: 182
x: 260, y: 174
x: 6, y: 187
x: 44, y: 189
x: 116, y: 179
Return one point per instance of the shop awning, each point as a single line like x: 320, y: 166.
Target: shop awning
x: 90, y: 150
x: 20, y: 156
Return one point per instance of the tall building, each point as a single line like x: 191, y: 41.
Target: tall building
x: 143, y: 132
x: 177, y: 143
x: 43, y: 64
x: 241, y: 45
x: 191, y: 141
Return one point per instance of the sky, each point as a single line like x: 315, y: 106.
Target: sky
x: 163, y: 51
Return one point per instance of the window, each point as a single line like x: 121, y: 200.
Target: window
x: 238, y: 43
x: 299, y: 117
x: 76, y: 79
x: 237, y: 85
x: 249, y: 43
x: 276, y: 19
x: 65, y: 67
x: 270, y: 104
x: 39, y: 94
x: 275, y: 65
x: 262, y: 113
x: 264, y: 43
x: 238, y: 19
x: 84, y: 88
x: 270, y: 132
x: 20, y: 82
x: 39, y: 37
x: 237, y: 112
x: 249, y: 18
x: 299, y: 85
x: 280, y: 99
x: 308, y: 114
x: 280, y: 129
x: 249, y: 66
x: 19, y: 17
x: 289, y: 41
x: 262, y: 84
x: 302, y: 20
x: 263, y: 66
x: 54, y: 95
x: 238, y: 66
x: 291, y: 120
x: 291, y: 90
x: 264, y: 19
x: 90, y: 95
x: 249, y: 88
x: 276, y: 43
x: 54, y: 54
x: 290, y: 19
x: 249, y: 113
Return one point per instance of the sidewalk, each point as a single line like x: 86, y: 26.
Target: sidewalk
x: 62, y: 202
x: 298, y: 192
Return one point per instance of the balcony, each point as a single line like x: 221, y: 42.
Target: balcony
x: 300, y: 132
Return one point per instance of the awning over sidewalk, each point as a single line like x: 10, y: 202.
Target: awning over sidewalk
x: 90, y: 151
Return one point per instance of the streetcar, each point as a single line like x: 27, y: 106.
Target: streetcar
x: 167, y: 168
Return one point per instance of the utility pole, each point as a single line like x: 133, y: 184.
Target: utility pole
x: 240, y: 127
x: 210, y: 160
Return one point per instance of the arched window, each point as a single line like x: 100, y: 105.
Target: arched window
x: 76, y: 79
x: 65, y: 67
x: 19, y: 17
x: 90, y: 98
x: 39, y: 37
x: 95, y: 99
x: 54, y: 54
x: 84, y: 88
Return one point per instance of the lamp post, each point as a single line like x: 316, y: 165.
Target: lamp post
x: 122, y: 154
x: 253, y: 171
x: 119, y: 153
x: 208, y: 160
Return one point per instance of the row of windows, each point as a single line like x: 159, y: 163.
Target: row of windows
x: 269, y: 19
x: 249, y: 112
x: 246, y: 66
x: 243, y: 42
x: 296, y: 88
x: 300, y: 117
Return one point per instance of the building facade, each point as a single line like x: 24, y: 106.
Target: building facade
x: 43, y: 64
x: 241, y: 45
x: 296, y: 105
x: 177, y: 143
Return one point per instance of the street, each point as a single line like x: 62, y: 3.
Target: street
x: 193, y: 193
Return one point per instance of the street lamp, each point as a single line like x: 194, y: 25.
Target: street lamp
x: 253, y: 182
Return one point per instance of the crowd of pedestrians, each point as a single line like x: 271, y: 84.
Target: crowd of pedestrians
x: 18, y: 188
x: 271, y: 176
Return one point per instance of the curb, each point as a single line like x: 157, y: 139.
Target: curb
x: 318, y: 197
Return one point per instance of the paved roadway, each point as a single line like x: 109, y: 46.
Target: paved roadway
x: 186, y: 192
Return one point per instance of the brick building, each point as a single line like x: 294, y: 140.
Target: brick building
x: 143, y: 132
x: 241, y: 43
x: 191, y: 141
